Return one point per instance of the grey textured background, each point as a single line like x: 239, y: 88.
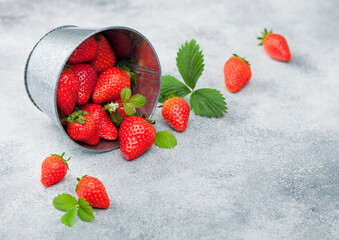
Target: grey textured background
x: 268, y: 169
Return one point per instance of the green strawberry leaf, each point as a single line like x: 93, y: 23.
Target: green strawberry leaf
x: 190, y: 63
x: 172, y: 86
x: 64, y: 202
x: 125, y: 94
x: 136, y: 101
x: 85, y: 211
x: 68, y: 217
x: 128, y: 110
x: 165, y: 139
x: 208, y: 102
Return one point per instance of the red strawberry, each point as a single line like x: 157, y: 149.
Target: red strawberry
x: 176, y: 112
x: 275, y: 46
x: 53, y: 169
x: 109, y: 85
x: 106, y: 128
x: 237, y: 73
x: 136, y: 136
x: 92, y: 189
x: 82, y: 127
x: 106, y: 57
x: 85, y: 52
x: 67, y: 91
x: 87, y: 77
x: 121, y: 44
x: 121, y: 109
x: 146, y: 56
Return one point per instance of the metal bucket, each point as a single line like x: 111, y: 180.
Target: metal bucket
x: 50, y: 54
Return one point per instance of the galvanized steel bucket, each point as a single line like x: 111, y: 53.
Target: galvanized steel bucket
x: 49, y: 56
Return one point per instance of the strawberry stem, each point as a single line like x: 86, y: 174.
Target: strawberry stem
x: 62, y: 158
x: 67, y: 67
x: 77, y: 116
x: 97, y: 38
x: 265, y: 33
x: 79, y: 180
x: 241, y: 58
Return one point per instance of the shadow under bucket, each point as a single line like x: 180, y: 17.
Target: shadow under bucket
x: 50, y: 54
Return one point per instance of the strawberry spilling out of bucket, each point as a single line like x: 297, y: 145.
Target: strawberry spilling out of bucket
x: 95, y: 100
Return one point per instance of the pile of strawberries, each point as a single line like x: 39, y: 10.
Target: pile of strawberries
x: 89, y: 98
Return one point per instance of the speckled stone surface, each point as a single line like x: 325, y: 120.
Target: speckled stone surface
x: 268, y: 169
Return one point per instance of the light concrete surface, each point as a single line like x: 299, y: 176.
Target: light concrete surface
x: 268, y: 169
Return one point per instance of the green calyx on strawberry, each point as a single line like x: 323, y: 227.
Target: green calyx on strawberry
x: 205, y: 102
x: 62, y: 158
x: 67, y: 67
x: 265, y: 33
x: 79, y: 179
x: 68, y: 203
x: 127, y: 66
x: 241, y: 58
x: 147, y: 119
x: 76, y: 116
x: 98, y: 38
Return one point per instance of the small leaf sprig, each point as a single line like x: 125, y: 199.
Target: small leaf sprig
x: 68, y: 203
x: 205, y: 102
x: 129, y: 102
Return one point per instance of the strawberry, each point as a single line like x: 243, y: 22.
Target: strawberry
x: 176, y: 112
x: 136, y: 136
x: 53, y: 169
x: 67, y: 91
x: 85, y: 52
x: 106, y: 57
x: 237, y: 73
x: 121, y: 109
x: 275, y: 46
x: 106, y: 128
x: 146, y: 56
x: 87, y: 77
x: 121, y: 44
x: 109, y: 85
x: 93, y: 190
x: 82, y: 127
